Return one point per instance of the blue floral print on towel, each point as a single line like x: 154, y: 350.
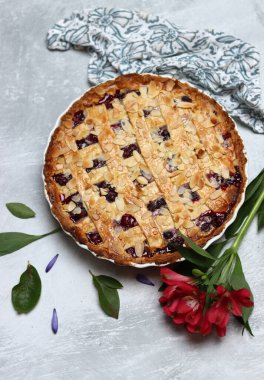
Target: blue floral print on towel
x: 120, y: 41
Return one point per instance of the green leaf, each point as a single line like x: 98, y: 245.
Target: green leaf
x: 110, y: 282
x: 246, y: 326
x: 254, y: 185
x: 20, y: 210
x: 196, y: 247
x: 108, y: 296
x: 243, y: 213
x: 261, y: 217
x: 190, y: 255
x: 26, y: 294
x: 13, y: 241
x: 238, y: 281
x: 109, y: 301
x: 184, y: 267
x: 216, y: 248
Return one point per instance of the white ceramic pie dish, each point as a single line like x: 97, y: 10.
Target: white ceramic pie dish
x: 137, y: 265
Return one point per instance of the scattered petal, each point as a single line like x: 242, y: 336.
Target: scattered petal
x: 54, y: 321
x: 51, y: 263
x: 144, y: 280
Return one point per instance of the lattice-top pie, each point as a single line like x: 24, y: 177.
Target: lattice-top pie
x: 138, y: 158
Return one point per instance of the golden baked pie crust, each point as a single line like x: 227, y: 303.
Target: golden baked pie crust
x: 182, y: 136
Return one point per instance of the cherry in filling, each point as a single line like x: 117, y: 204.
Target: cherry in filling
x: 186, y: 98
x: 210, y: 219
x: 88, y: 140
x: 164, y: 133
x: 62, y: 178
x: 235, y: 179
x: 94, y: 237
x: 226, y: 136
x: 111, y: 193
x: 79, y: 212
x: 172, y: 237
x: 75, y: 217
x: 156, y: 204
x: 146, y: 113
x: 107, y: 99
x: 78, y: 118
x: 146, y: 253
x: 129, y: 149
x: 97, y: 163
x: 195, y: 197
x: 127, y: 221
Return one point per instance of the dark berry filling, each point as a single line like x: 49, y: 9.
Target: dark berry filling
x: 107, y: 99
x: 195, y: 197
x: 210, y: 219
x: 186, y: 98
x: 226, y: 136
x: 111, y: 193
x: 146, y: 253
x: 234, y: 179
x: 128, y: 221
x: 97, y: 163
x: 156, y: 204
x: 78, y: 118
x: 62, y: 178
x: 76, y: 198
x: 164, y: 133
x: 129, y: 149
x: 172, y: 237
x: 88, y: 140
x: 117, y: 126
x: 75, y: 217
x: 146, y: 113
x: 170, y: 166
x: 94, y: 237
x: 131, y: 251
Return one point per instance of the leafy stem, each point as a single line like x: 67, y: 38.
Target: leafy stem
x: 247, y: 222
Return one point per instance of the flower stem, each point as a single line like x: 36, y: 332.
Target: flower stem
x: 247, y: 222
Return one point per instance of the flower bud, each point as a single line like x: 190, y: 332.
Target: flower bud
x: 197, y: 273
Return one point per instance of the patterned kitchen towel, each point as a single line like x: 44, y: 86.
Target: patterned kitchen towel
x: 120, y: 41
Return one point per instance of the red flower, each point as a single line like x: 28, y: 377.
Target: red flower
x: 227, y: 302
x: 184, y: 302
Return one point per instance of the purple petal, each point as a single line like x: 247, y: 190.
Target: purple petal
x: 54, y: 321
x: 145, y: 280
x: 51, y: 263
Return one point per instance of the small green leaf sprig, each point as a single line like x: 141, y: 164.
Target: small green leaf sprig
x: 213, y: 267
x: 108, y: 294
x: 13, y: 241
x: 26, y: 294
